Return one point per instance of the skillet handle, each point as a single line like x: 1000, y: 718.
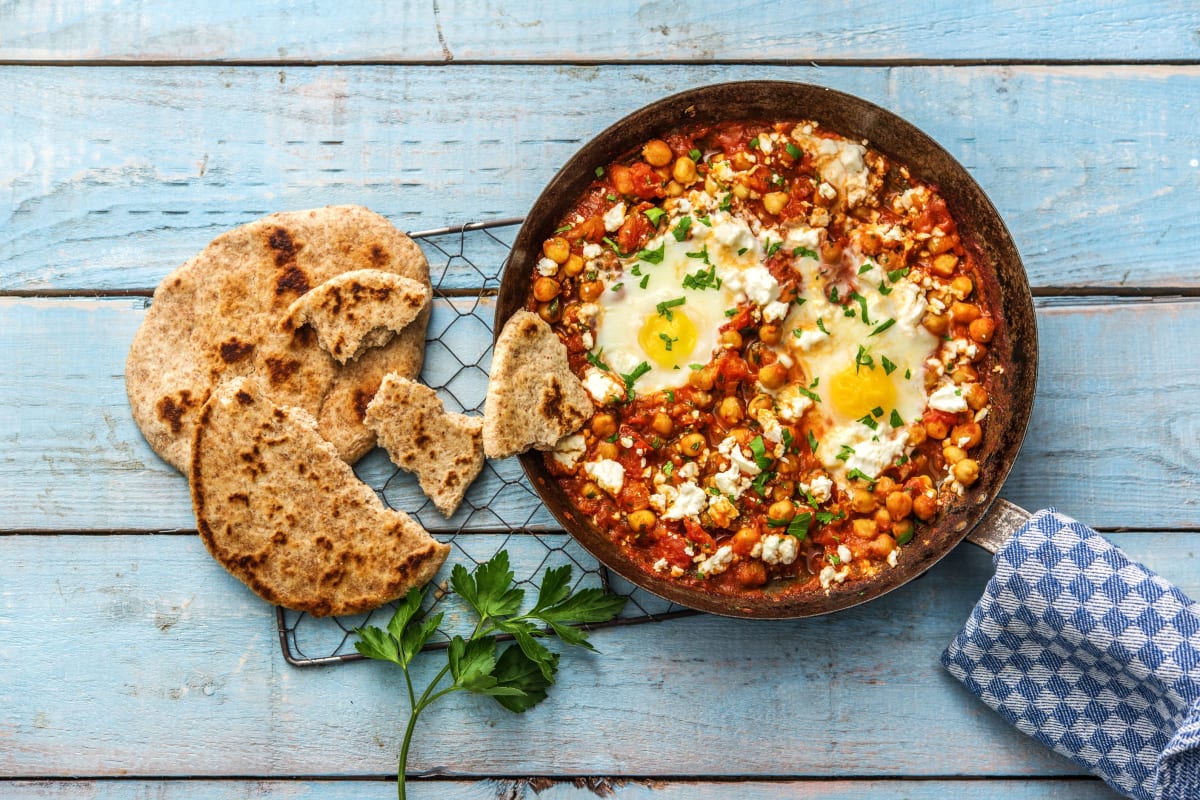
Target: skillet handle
x: 999, y: 523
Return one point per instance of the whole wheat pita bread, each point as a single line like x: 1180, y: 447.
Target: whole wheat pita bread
x: 278, y: 508
x: 217, y: 317
x: 358, y: 310
x: 443, y: 448
x: 533, y: 398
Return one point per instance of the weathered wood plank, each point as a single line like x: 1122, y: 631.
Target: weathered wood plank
x: 618, y: 31
x: 71, y: 457
x: 134, y: 655
x: 544, y: 789
x: 1098, y: 197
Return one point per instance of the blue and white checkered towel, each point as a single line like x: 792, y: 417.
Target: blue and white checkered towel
x: 1091, y: 654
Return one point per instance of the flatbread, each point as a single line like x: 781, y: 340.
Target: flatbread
x: 443, y: 448
x: 279, y: 509
x: 217, y: 317
x: 533, y: 398
x: 358, y: 310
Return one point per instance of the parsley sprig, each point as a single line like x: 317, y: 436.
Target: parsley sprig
x: 520, y: 676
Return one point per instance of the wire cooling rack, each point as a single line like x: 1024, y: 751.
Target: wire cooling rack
x: 500, y: 510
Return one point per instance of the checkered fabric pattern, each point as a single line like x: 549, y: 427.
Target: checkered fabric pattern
x: 1091, y: 654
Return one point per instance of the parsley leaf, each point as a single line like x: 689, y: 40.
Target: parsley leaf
x: 681, y: 229
x: 793, y: 151
x: 799, y: 525
x: 888, y: 366
x: 806, y: 253
x: 883, y: 326
x: 895, y: 420
x: 664, y: 308
x: 813, y: 444
x: 654, y: 214
x: 653, y: 256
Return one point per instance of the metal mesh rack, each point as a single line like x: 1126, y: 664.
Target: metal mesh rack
x: 500, y: 510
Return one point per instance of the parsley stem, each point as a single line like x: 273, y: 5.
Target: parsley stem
x: 417, y: 707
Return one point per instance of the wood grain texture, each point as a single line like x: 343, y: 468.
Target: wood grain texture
x: 71, y: 457
x: 1096, y: 170
x: 623, y: 30
x: 545, y: 789
x: 153, y: 658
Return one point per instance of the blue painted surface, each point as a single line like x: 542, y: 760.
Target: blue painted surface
x: 132, y: 658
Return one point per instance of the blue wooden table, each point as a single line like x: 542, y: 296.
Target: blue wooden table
x: 132, y: 133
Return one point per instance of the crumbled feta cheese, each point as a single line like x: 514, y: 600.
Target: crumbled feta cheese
x: 831, y: 574
x: 764, y: 142
x: 872, y: 456
x: 587, y: 340
x: 808, y: 238
x: 569, y: 450
x: 689, y: 501
x: 779, y: 549
x: 731, y: 482
x: 730, y: 448
x: 759, y: 285
x: 774, y: 311
x: 734, y: 235
x: 592, y: 250
x: 688, y: 471
x: 948, y: 398
x: 827, y: 191
x: 820, y: 487
x: 614, y: 217
x: 718, y: 562
x: 608, y: 474
x: 661, y: 565
x: 603, y: 388
x: 893, y: 558
x: 547, y: 267
x: 792, y: 404
x: 808, y: 339
x: 909, y: 302
x: 588, y: 313
x: 844, y: 554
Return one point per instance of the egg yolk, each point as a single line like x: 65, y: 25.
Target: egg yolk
x: 857, y: 390
x: 668, y: 340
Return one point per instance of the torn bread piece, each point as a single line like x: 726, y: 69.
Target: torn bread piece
x: 444, y: 449
x: 358, y: 310
x: 278, y: 508
x: 533, y: 398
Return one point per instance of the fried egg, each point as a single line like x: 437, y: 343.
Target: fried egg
x: 660, y: 317
x: 858, y: 337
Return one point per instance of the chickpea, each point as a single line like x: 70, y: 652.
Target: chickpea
x: 964, y: 374
x: 916, y: 434
x: 883, y: 486
x: 883, y: 519
x: 730, y: 410
x: 642, y: 520
x: 731, y: 339
x: 937, y: 324
x: 574, y: 265
x: 607, y: 450
x: 962, y: 286
x: 674, y: 189
x: 862, y: 501
x: 966, y: 471
x: 781, y: 511
x: 953, y: 453
x: 899, y: 505
x: 711, y: 186
x: 760, y: 402
x: 622, y: 179
x: 590, y: 490
x: 945, y: 264
x: 702, y: 378
x: 870, y: 243
x: 964, y: 312
x: 742, y: 160
x: 982, y: 329
x: 545, y: 289
x: 773, y: 376
x: 903, y: 531
x: 692, y: 444
x: 920, y: 483
x: 783, y: 490
x: 967, y: 435
x: 750, y: 573
x: 937, y: 429
x: 744, y: 540
x: 702, y: 399
x: 662, y: 424
x: 551, y: 312
x: 741, y: 191
x: 684, y: 170
x: 557, y: 249
x: 590, y: 291
x: 924, y: 507
x: 774, y: 202
x: 770, y: 333
x: 657, y: 153
x: 939, y: 244
x: 831, y: 252
x: 976, y: 396
x: 865, y: 528
x: 604, y: 425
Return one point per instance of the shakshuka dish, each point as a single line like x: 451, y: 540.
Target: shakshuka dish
x: 787, y: 349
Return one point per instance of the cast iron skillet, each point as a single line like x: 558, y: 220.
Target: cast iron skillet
x: 1014, y: 344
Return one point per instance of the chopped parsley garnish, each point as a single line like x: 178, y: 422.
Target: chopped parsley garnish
x: 833, y: 294
x: 773, y: 247
x: 897, y: 274
x: 787, y: 439
x: 810, y: 394
x: 695, y: 367
x: 862, y: 303
x: 895, y: 420
x: 644, y: 281
x: 729, y: 312
x: 653, y: 256
x: 616, y: 248
x: 701, y: 254
x: 793, y: 151
x: 805, y: 252
x: 694, y: 154
x: 742, y: 251
x: 866, y: 267
x: 726, y: 202
x: 596, y: 361
x: 813, y: 444
x: 883, y: 326
x: 858, y: 473
x: 869, y: 421
x: 754, y: 143
x: 668, y: 341
x: 833, y: 559
x: 758, y: 449
x: 799, y: 525
x: 667, y: 468
x: 616, y: 287
x: 877, y: 411
x: 704, y: 279
x: 612, y: 198
x: 845, y: 453
x: 638, y: 371
x: 908, y: 374
x: 905, y: 537
x: 599, y: 172
x: 563, y: 228
x: 654, y: 215
x: 884, y: 289
x: 636, y: 271
x: 670, y: 396
x: 681, y: 229
x: 664, y: 308
x: 826, y: 517
x: 760, y: 483
x: 821, y: 326
x: 613, y: 438
x: 705, y: 220
x: 863, y: 359
x: 888, y: 366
